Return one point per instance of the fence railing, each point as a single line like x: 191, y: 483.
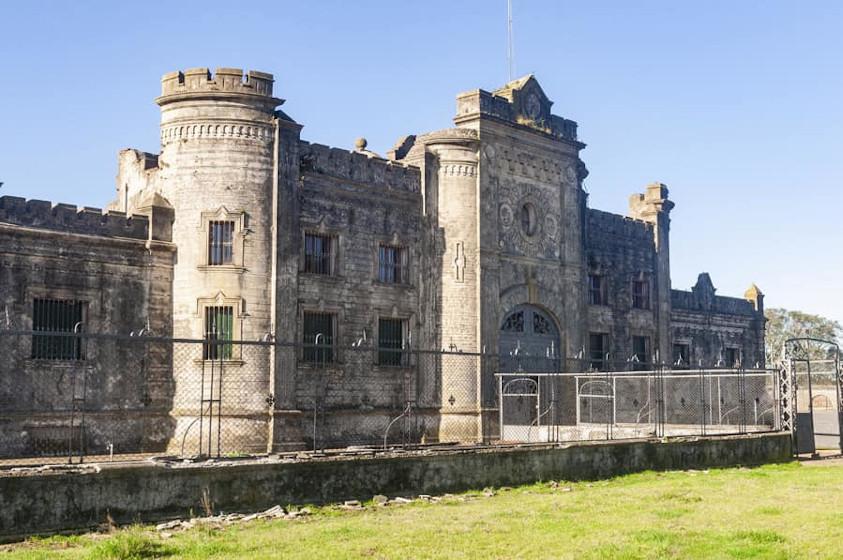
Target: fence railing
x: 127, y: 397
x: 553, y: 407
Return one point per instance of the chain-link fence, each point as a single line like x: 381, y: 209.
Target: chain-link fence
x: 76, y: 396
x: 554, y: 407
x: 71, y: 395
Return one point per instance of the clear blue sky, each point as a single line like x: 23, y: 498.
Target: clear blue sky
x: 736, y: 105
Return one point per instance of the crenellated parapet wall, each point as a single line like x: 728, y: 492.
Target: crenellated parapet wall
x: 67, y: 217
x: 689, y: 301
x: 225, y: 80
x: 631, y: 230
x: 361, y: 168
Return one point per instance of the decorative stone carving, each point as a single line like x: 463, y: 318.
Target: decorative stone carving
x: 551, y: 226
x: 459, y: 263
x: 570, y: 174
x: 535, y: 229
x: 459, y: 169
x: 215, y: 130
x: 506, y: 216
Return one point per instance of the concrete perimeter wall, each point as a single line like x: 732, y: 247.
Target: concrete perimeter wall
x: 44, y: 502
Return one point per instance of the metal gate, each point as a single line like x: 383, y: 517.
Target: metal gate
x: 811, y: 395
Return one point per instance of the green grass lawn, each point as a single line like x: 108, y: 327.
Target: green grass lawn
x: 775, y: 511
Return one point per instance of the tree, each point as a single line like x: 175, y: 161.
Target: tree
x: 783, y: 324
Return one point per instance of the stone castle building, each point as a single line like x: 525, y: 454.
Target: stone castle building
x: 475, y: 238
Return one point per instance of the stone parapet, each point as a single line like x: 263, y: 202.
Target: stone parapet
x: 353, y: 166
x: 630, y: 229
x: 67, y: 217
x: 225, y: 80
x: 683, y: 300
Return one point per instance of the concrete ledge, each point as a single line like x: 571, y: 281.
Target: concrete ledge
x: 51, y: 502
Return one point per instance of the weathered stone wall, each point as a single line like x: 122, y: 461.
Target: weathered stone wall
x: 217, y: 162
x: 620, y: 250
x: 124, y: 277
x: 362, y: 201
x: 43, y: 503
x: 710, y: 324
x: 491, y: 212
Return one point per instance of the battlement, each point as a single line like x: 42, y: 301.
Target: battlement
x: 615, y: 225
x: 689, y: 301
x: 69, y: 218
x: 196, y: 81
x: 358, y: 167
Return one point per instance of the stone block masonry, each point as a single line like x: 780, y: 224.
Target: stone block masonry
x: 474, y: 238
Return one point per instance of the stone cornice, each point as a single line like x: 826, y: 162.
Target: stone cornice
x: 217, y: 129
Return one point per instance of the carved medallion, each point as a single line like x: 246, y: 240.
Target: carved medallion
x: 528, y: 223
x: 506, y: 216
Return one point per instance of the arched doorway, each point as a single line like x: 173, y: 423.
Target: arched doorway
x: 528, y: 341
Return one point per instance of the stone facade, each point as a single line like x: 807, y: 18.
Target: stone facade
x: 122, y: 269
x: 476, y: 239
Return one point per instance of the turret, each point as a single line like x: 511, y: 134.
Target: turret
x: 654, y: 206
x: 452, y: 191
x: 218, y: 169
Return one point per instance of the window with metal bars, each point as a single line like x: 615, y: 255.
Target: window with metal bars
x: 641, y: 294
x: 598, y: 346
x: 681, y: 356
x: 220, y: 242
x: 641, y: 352
x: 57, y: 316
x: 597, y: 290
x: 731, y: 357
x: 318, y: 330
x: 219, y: 332
x: 319, y: 251
x: 392, y: 264
x: 392, y: 342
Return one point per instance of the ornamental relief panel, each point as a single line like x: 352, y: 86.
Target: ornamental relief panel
x: 528, y: 221
x: 506, y: 160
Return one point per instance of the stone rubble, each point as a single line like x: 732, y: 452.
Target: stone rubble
x: 167, y: 528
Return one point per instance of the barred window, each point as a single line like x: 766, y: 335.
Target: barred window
x: 220, y: 242
x: 57, y: 316
x: 219, y: 332
x: 641, y: 294
x: 641, y: 352
x: 597, y: 294
x: 318, y: 338
x: 598, y: 346
x: 319, y: 251
x: 681, y: 356
x: 730, y: 356
x: 392, y: 264
x: 391, y: 342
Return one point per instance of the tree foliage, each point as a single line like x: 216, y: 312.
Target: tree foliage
x: 783, y: 324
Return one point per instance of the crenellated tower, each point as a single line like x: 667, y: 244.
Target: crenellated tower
x: 218, y: 169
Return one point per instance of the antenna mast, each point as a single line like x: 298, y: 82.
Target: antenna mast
x: 510, y: 54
